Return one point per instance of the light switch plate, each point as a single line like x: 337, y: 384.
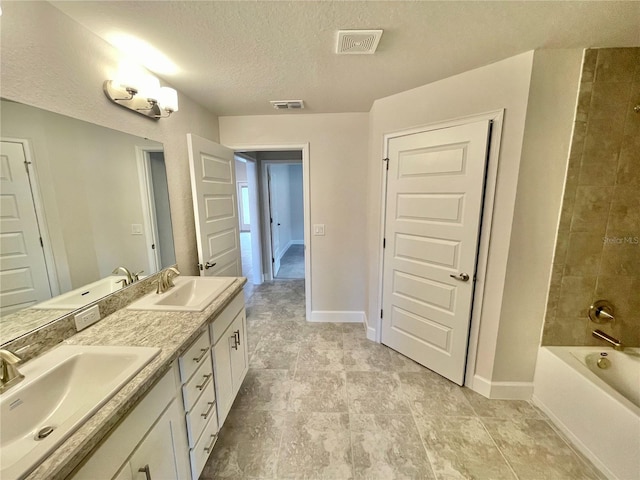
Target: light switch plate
x: 87, y: 317
x: 318, y: 229
x: 136, y: 229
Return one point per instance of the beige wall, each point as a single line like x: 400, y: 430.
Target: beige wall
x: 598, y: 246
x: 505, y: 84
x: 50, y: 61
x: 338, y: 165
x: 545, y: 152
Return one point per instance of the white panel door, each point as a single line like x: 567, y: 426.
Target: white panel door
x: 215, y: 206
x: 23, y: 271
x: 435, y: 187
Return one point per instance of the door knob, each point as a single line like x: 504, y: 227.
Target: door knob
x: 463, y: 277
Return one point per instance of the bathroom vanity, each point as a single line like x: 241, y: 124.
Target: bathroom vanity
x: 164, y: 422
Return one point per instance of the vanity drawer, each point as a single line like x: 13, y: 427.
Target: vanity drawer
x: 194, y: 357
x: 203, y: 411
x: 225, y: 318
x: 198, y: 383
x: 204, y: 446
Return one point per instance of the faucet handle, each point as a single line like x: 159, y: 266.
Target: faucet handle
x: 136, y: 276
x: 10, y: 358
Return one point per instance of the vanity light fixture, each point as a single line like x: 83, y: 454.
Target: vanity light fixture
x: 147, y: 99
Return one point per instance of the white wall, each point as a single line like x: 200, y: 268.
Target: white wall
x: 52, y: 62
x: 504, y: 84
x: 338, y: 163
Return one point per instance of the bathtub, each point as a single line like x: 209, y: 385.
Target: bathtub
x: 598, y: 409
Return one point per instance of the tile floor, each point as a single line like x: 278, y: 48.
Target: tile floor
x: 321, y: 401
x: 292, y: 263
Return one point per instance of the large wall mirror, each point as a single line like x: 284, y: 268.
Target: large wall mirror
x: 77, y: 201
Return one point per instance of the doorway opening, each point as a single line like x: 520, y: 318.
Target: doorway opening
x: 273, y: 208
x: 156, y: 211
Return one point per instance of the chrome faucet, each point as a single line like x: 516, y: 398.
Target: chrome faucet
x: 9, y: 374
x: 165, y: 282
x: 125, y: 271
x: 614, y: 342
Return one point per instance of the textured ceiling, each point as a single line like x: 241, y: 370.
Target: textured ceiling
x: 235, y: 56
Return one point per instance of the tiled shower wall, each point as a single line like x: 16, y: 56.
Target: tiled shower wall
x: 598, y: 247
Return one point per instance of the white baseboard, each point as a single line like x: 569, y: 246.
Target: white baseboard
x: 371, y: 333
x: 502, y: 390
x: 296, y: 242
x: 337, y: 317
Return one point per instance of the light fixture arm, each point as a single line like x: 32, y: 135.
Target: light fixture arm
x: 127, y: 97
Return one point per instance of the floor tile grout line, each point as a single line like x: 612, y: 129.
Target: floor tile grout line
x: 424, y: 447
x: 493, y: 440
x: 581, y: 457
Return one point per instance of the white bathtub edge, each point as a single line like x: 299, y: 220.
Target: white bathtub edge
x: 606, y: 427
x: 575, y: 441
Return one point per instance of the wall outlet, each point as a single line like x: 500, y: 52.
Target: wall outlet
x: 87, y: 317
x: 318, y: 229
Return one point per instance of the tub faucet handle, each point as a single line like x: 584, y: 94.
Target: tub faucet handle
x: 601, y: 312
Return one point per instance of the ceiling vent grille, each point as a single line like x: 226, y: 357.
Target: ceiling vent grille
x: 358, y: 42
x: 287, y: 104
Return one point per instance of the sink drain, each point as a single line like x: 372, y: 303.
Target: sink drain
x: 44, y: 433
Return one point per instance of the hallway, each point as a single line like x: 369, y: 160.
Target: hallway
x: 322, y: 401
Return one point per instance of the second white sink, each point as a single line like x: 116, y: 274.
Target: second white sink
x: 191, y: 294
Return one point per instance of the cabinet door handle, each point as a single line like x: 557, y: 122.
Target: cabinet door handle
x: 204, y: 352
x: 237, y: 335
x: 146, y: 471
x: 210, y: 447
x: 206, y: 377
x: 205, y: 415
x: 235, y: 342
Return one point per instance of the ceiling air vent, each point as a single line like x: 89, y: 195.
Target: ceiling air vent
x: 358, y: 42
x: 287, y: 104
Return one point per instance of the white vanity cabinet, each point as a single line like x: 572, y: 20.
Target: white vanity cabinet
x: 148, y: 443
x: 198, y: 394
x: 230, y: 354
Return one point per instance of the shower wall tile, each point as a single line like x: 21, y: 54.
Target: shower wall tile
x: 590, y: 209
x: 589, y: 65
x: 597, y: 253
x: 583, y: 254
x: 616, y: 64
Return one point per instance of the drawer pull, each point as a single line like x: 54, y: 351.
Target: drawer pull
x: 235, y: 342
x: 237, y: 335
x: 204, y: 352
x: 205, y: 415
x: 207, y: 378
x: 210, y: 447
x: 146, y: 471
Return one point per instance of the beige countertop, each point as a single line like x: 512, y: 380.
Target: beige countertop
x: 172, y: 332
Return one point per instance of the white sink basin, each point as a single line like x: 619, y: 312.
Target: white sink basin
x: 61, y: 390
x: 83, y: 296
x: 191, y: 294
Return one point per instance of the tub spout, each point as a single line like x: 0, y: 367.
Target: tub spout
x: 614, y: 342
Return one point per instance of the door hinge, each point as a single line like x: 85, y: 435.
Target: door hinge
x: 271, y: 220
x: 384, y: 243
x: 41, y: 242
x: 386, y: 160
x: 273, y: 260
x: 381, y: 313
